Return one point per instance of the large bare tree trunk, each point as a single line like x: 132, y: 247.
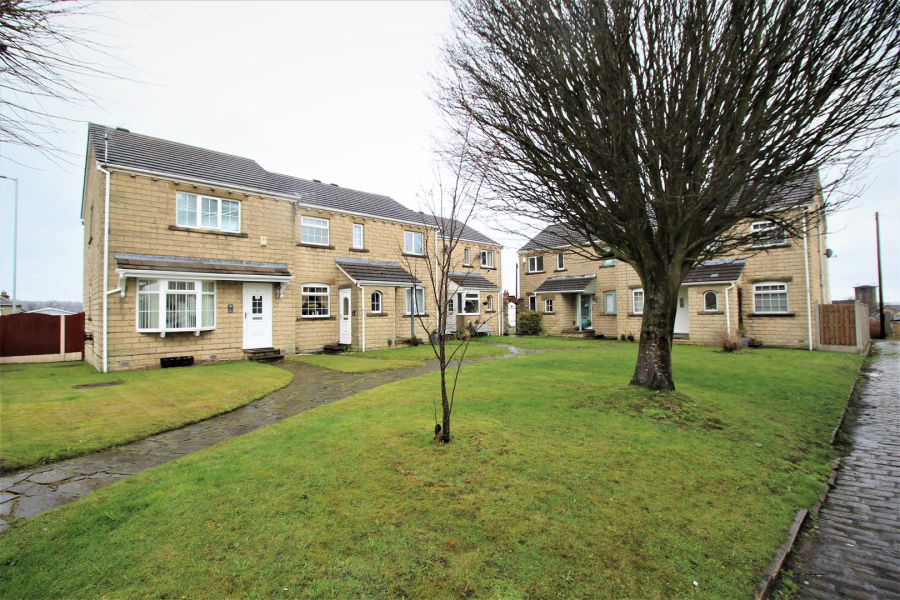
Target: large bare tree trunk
x: 654, y: 363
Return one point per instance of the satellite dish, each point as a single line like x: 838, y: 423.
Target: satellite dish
x: 829, y: 253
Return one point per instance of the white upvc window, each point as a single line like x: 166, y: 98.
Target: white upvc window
x: 357, y: 236
x: 535, y: 264
x: 710, y: 301
x: 315, y: 300
x: 414, y: 242
x: 419, y: 301
x: 767, y: 234
x: 607, y: 262
x: 469, y: 303
x: 637, y: 301
x: 770, y: 298
x: 314, y: 231
x: 207, y: 212
x: 376, y: 302
x: 175, y: 305
x: 467, y: 257
x: 548, y: 305
x: 560, y: 262
x: 532, y: 302
x: 489, y: 307
x: 487, y: 258
x: 609, y: 303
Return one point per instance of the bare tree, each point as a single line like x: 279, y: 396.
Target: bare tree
x: 448, y: 207
x: 649, y: 130
x: 48, y: 54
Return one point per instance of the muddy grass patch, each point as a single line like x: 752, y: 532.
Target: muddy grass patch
x: 675, y: 408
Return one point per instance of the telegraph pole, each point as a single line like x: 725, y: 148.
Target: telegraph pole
x: 880, y: 286
x: 15, y: 180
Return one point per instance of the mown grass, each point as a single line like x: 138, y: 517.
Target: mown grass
x: 478, y: 348
x: 560, y: 482
x: 44, y: 418
x: 355, y: 363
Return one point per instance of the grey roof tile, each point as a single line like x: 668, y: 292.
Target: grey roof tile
x: 473, y: 281
x: 461, y: 230
x: 147, y: 262
x: 571, y: 283
x: 372, y: 271
x: 715, y: 271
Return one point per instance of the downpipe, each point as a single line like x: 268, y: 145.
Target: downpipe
x: 106, y: 292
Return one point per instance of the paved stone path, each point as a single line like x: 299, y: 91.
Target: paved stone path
x: 27, y: 493
x: 855, y: 551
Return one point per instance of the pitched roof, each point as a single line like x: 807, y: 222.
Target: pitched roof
x: 146, y: 262
x: 552, y: 236
x: 715, y: 271
x: 460, y: 229
x: 473, y: 281
x: 6, y: 302
x: 120, y: 147
x: 375, y: 272
x: 575, y: 284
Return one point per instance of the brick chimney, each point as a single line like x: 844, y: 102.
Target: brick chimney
x: 865, y: 294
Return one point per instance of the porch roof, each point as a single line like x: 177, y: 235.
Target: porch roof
x: 136, y: 265
x: 473, y: 281
x: 373, y: 272
x: 571, y: 284
x: 715, y: 271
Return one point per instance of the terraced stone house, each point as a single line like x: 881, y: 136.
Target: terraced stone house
x: 192, y: 252
x: 767, y: 292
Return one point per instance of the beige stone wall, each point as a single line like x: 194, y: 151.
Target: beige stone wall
x: 92, y: 291
x: 707, y: 326
x: 494, y: 318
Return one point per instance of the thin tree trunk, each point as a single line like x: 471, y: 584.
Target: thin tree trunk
x: 445, y: 409
x: 654, y: 363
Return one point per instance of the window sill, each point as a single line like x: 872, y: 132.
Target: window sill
x: 559, y: 270
x: 548, y: 313
x: 209, y: 231
x: 766, y: 315
x: 310, y: 318
x: 710, y: 312
x: 376, y: 314
x: 358, y: 249
x: 488, y: 268
x: 534, y: 272
x: 413, y: 255
x: 165, y: 332
x: 319, y: 246
x: 602, y: 266
x: 607, y: 314
x: 634, y: 314
x: 770, y: 246
x: 419, y: 315
x: 490, y: 311
x: 468, y: 266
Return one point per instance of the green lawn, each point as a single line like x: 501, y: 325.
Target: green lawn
x: 478, y: 348
x: 560, y: 482
x: 354, y: 363
x: 44, y: 418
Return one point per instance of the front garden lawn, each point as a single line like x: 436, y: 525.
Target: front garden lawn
x: 355, y: 363
x: 560, y: 482
x: 44, y: 418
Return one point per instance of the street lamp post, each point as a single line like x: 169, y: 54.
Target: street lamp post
x: 15, y: 180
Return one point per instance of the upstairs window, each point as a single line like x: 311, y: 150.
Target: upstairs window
x: 560, y: 263
x: 487, y: 258
x: 710, y: 301
x: 207, y: 212
x: 414, y: 242
x: 771, y: 298
x: 357, y: 236
x: 314, y: 231
x: 607, y: 262
x: 467, y: 257
x: 637, y: 297
x: 535, y: 264
x: 766, y: 234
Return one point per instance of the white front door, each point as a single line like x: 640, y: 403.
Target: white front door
x: 257, y: 315
x: 346, y: 313
x: 683, y: 315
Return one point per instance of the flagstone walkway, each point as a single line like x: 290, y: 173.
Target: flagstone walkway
x: 854, y: 552
x: 32, y: 491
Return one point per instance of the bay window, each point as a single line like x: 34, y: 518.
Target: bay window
x: 314, y: 231
x: 175, y: 305
x: 207, y: 212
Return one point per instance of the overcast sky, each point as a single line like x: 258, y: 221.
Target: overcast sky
x: 331, y: 91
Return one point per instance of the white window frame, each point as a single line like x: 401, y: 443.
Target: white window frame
x: 706, y: 307
x: 774, y: 234
x: 467, y: 257
x: 487, y: 258
x: 560, y: 261
x: 358, y: 227
x: 607, y: 262
x: 468, y: 296
x: 376, y: 302
x: 634, y: 300
x: 489, y: 307
x: 532, y: 302
x: 534, y: 269
x: 304, y: 293
x: 162, y: 292
x: 548, y: 305
x: 409, y: 242
x: 197, y: 202
x: 420, y: 310
x: 314, y: 224
x: 758, y: 293
x: 611, y: 293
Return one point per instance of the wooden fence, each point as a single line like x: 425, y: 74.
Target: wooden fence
x: 35, y: 337
x: 843, y: 327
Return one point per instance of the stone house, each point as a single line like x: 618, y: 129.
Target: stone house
x: 211, y: 256
x: 767, y: 292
